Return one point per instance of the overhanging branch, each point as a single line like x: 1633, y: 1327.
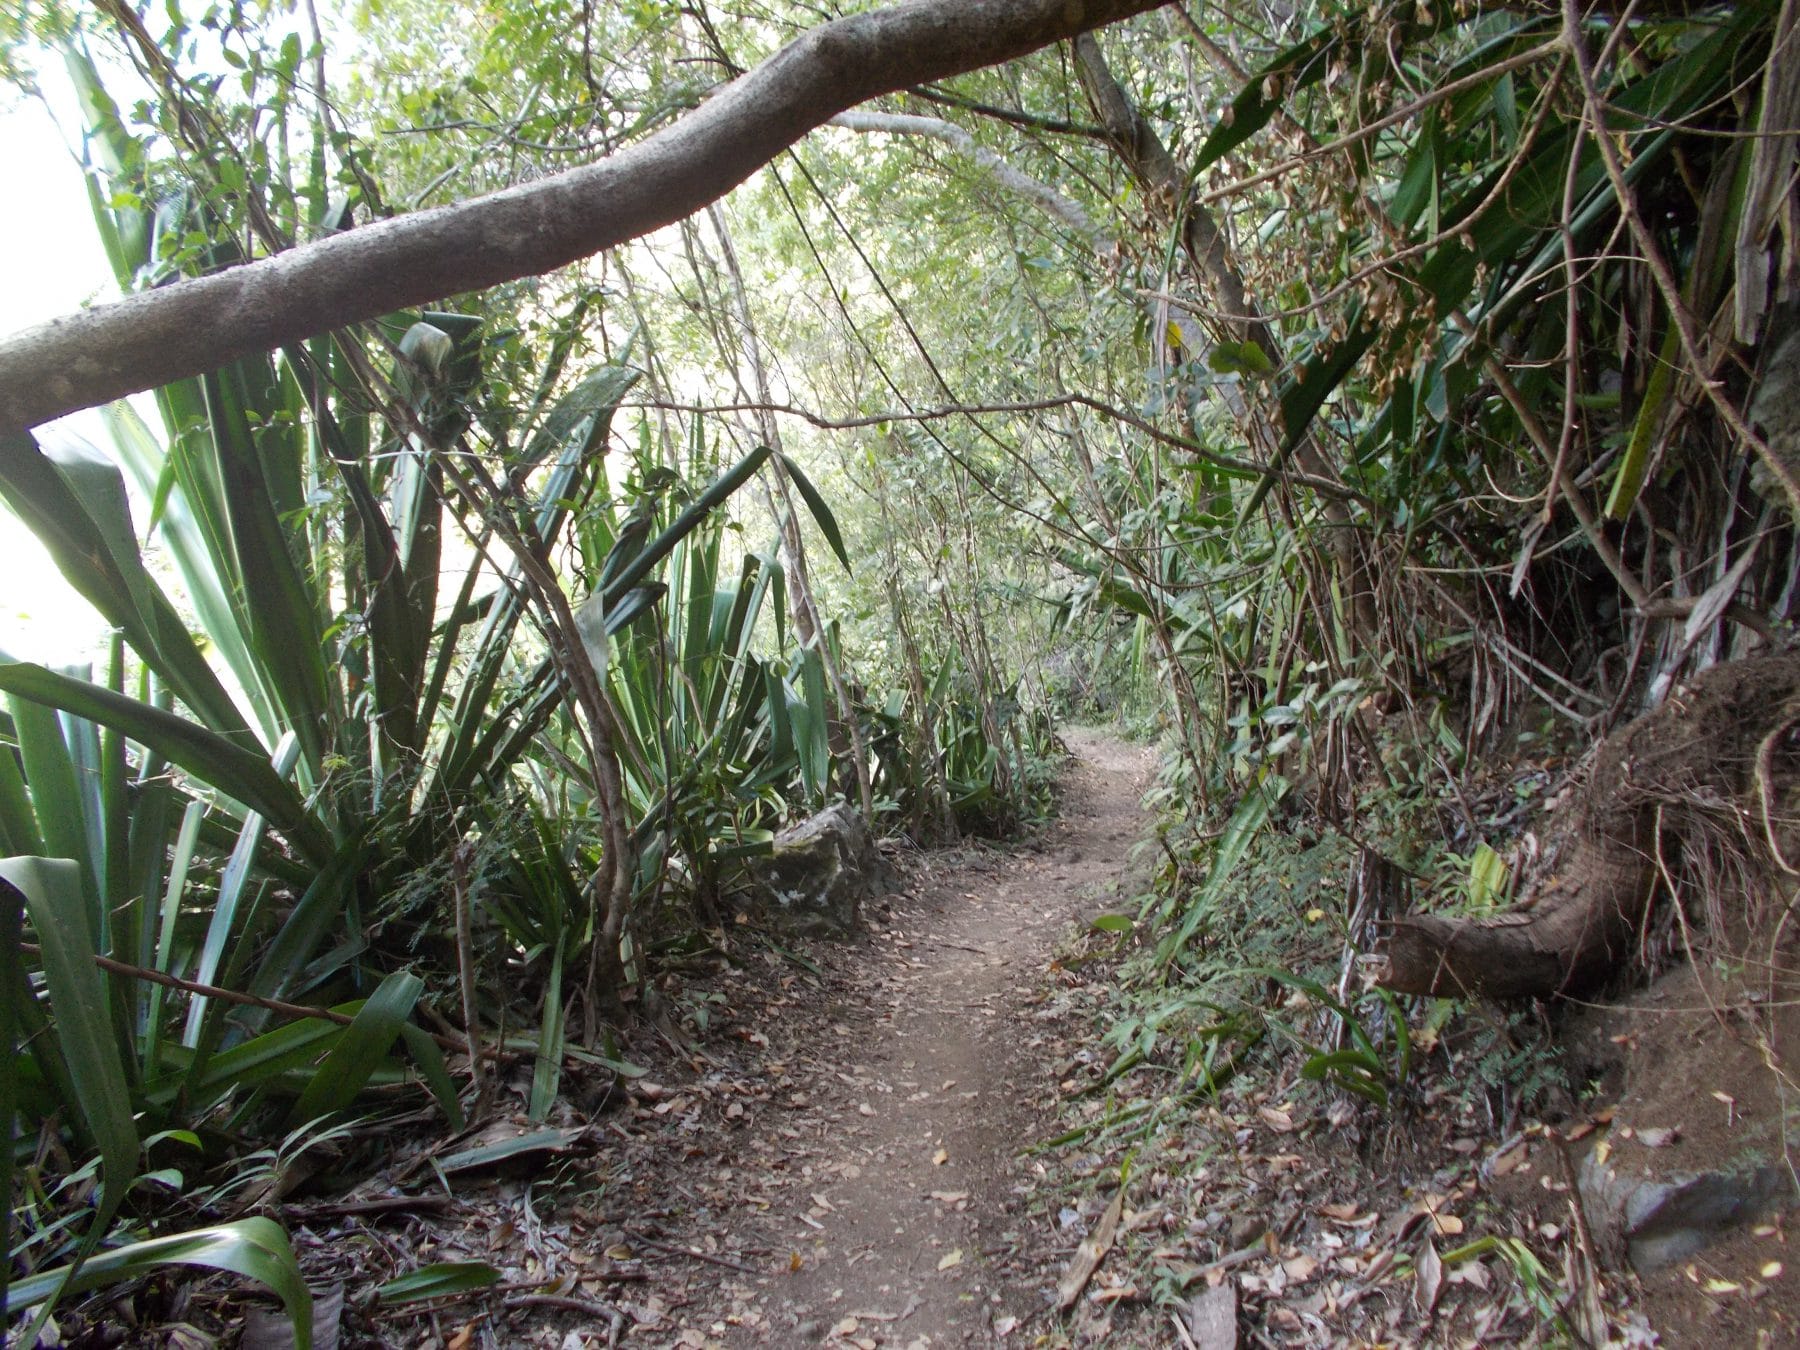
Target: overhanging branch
x: 159, y: 336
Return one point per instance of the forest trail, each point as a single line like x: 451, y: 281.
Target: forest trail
x: 882, y: 1175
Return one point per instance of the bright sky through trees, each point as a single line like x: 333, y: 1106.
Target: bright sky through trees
x: 41, y: 618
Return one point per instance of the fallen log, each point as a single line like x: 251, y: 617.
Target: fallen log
x: 1715, y: 762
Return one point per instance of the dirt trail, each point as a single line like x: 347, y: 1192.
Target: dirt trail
x: 880, y: 1173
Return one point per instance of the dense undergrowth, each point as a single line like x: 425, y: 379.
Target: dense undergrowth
x: 1367, y: 401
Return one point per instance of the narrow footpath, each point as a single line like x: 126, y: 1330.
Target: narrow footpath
x: 853, y: 1170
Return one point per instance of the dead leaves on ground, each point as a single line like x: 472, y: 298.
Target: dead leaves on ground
x: 1312, y: 1220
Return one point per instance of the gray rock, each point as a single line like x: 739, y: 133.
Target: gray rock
x: 1656, y: 1221
x: 821, y: 873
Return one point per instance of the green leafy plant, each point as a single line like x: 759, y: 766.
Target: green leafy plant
x: 1375, y: 1063
x: 255, y: 1248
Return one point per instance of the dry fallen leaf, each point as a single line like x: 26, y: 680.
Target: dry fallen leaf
x: 865, y: 1110
x: 1343, y: 1213
x: 1113, y: 1295
x: 1469, y: 1272
x: 1659, y: 1136
x: 794, y: 1261
x: 267, y: 1329
x: 847, y: 1327
x: 1428, y: 1276
x: 1279, y: 1121
x: 949, y: 1197
x: 950, y: 1259
x: 1510, y: 1160
x: 1771, y: 1270
x: 1299, y: 1268
x: 941, y: 1157
x: 1212, y: 1316
x: 1720, y: 1287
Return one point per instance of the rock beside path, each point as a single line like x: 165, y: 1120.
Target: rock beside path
x: 821, y: 873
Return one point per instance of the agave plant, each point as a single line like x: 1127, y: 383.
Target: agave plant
x: 218, y: 827
x: 718, y: 741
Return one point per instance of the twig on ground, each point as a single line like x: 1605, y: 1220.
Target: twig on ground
x: 383, y: 1204
x: 565, y: 1302
x: 675, y: 1249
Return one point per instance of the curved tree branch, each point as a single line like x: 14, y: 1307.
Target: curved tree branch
x: 194, y: 326
x: 1069, y: 211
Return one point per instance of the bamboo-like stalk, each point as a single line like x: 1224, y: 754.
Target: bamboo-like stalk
x: 800, y: 590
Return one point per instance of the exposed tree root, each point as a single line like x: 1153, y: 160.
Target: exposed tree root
x: 1713, y: 762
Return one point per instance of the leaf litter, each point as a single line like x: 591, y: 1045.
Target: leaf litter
x: 911, y: 1141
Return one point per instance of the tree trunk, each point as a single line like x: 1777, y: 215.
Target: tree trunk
x: 1162, y: 180
x: 1713, y: 770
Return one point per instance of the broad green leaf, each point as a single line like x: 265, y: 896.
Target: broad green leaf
x: 184, y: 529
x: 1251, y: 813
x: 240, y: 774
x: 821, y: 513
x: 18, y: 820
x: 362, y: 1048
x: 486, y: 1155
x: 223, y: 926
x: 583, y: 416
x: 282, y: 613
x: 255, y: 1248
x: 1268, y: 90
x: 51, y: 778
x: 546, y: 1073
x: 320, y: 907
x: 1303, y: 396
x: 76, y: 506
x: 684, y: 524
x: 13, y: 990
x: 429, y: 1059
x: 274, y: 1053
x: 180, y: 864
x: 50, y: 890
x: 433, y: 1281
x: 1634, y: 464
x: 1239, y: 358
